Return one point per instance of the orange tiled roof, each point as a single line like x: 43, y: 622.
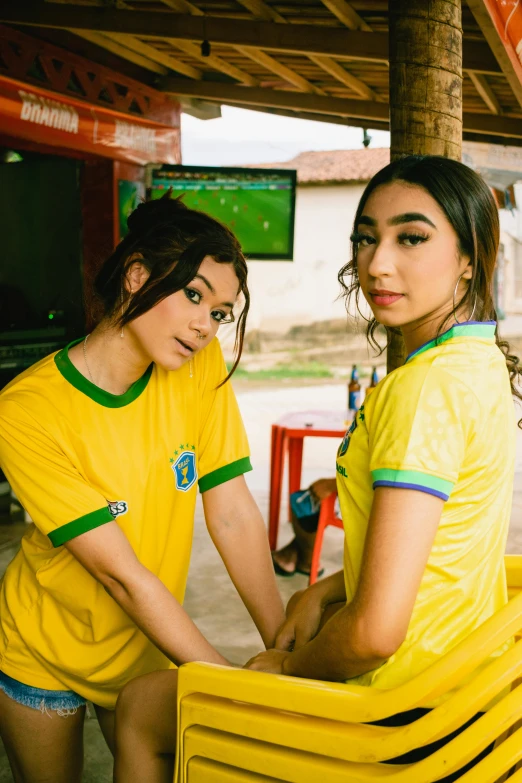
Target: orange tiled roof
x: 335, y: 166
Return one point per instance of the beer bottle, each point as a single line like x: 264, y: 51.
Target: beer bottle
x: 354, y: 391
x: 373, y: 383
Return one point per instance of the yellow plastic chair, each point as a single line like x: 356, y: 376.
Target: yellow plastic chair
x: 236, y: 726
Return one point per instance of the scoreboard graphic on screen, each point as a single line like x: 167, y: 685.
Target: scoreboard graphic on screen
x: 258, y: 205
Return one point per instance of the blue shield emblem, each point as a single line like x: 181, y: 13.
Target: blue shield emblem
x: 185, y: 470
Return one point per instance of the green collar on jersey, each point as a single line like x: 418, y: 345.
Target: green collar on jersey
x: 482, y: 329
x: 80, y: 382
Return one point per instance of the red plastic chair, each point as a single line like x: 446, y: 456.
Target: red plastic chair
x: 326, y: 517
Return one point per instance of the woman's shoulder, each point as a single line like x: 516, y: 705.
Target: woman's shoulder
x: 38, y: 382
x: 425, y: 384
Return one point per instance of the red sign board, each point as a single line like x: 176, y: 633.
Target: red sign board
x: 48, y: 118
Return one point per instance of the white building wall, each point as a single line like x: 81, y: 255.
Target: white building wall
x: 510, y: 257
x: 286, y: 293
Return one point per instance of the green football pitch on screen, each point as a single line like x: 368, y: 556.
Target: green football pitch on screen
x: 257, y: 205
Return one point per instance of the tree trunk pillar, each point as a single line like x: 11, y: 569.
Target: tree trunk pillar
x: 425, y: 89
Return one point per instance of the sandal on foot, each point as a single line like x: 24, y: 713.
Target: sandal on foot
x: 280, y: 571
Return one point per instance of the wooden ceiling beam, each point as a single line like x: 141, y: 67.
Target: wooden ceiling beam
x: 271, y: 64
x: 316, y: 104
x: 331, y: 119
x: 295, y: 38
x: 342, y: 75
x: 491, y: 125
x: 183, y: 7
x: 257, y: 55
x: 485, y: 92
x: 299, y: 39
x: 118, y: 43
x: 122, y: 51
x: 511, y: 70
x: 170, y: 61
x: 278, y: 99
x: 478, y: 57
x: 261, y: 10
x: 346, y: 14
x: 491, y: 139
x: 215, y: 62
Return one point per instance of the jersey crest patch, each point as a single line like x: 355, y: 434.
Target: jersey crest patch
x: 118, y: 507
x: 343, y: 448
x: 185, y: 471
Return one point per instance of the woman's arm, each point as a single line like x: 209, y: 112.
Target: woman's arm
x: 239, y: 534
x: 107, y: 555
x: 401, y: 530
x: 305, y: 611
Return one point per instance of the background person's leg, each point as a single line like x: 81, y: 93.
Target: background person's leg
x: 145, y: 733
x: 42, y: 747
x: 106, y: 719
x: 297, y: 554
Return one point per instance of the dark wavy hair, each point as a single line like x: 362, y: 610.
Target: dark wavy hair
x: 470, y: 208
x: 172, y: 240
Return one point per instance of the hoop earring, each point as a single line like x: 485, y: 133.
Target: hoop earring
x: 455, y: 305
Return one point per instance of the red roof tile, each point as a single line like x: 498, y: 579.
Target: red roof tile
x: 335, y: 166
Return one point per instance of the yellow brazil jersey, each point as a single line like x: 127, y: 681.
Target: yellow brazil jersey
x: 442, y: 424
x: 78, y: 457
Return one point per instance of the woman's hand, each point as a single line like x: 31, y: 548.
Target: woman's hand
x: 303, y: 621
x: 323, y: 487
x: 308, y: 610
x: 271, y: 661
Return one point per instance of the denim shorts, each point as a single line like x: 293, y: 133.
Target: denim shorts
x: 62, y: 702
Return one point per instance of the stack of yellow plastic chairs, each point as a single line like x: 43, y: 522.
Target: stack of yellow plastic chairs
x: 238, y: 726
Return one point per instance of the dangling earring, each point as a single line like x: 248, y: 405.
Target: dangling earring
x: 121, y: 293
x: 190, y: 368
x: 455, y: 305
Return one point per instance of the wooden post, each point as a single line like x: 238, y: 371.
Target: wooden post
x: 425, y: 89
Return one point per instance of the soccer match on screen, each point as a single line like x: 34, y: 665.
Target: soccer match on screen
x: 256, y: 204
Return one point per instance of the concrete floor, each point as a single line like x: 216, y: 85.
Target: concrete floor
x: 211, y: 599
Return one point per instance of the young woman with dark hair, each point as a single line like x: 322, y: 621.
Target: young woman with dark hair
x: 425, y: 472
x: 105, y: 444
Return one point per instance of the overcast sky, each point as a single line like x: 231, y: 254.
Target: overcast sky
x: 242, y: 136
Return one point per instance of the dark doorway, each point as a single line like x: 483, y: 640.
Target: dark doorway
x: 40, y: 254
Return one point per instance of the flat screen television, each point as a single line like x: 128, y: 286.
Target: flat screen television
x: 258, y: 205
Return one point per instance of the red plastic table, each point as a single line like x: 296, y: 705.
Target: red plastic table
x: 288, y: 436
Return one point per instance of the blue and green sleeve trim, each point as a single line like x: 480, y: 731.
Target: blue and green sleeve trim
x: 412, y: 479
x: 81, y: 525
x: 221, y: 475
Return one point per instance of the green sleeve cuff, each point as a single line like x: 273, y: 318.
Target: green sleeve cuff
x: 412, y: 479
x: 227, y: 472
x: 81, y: 525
